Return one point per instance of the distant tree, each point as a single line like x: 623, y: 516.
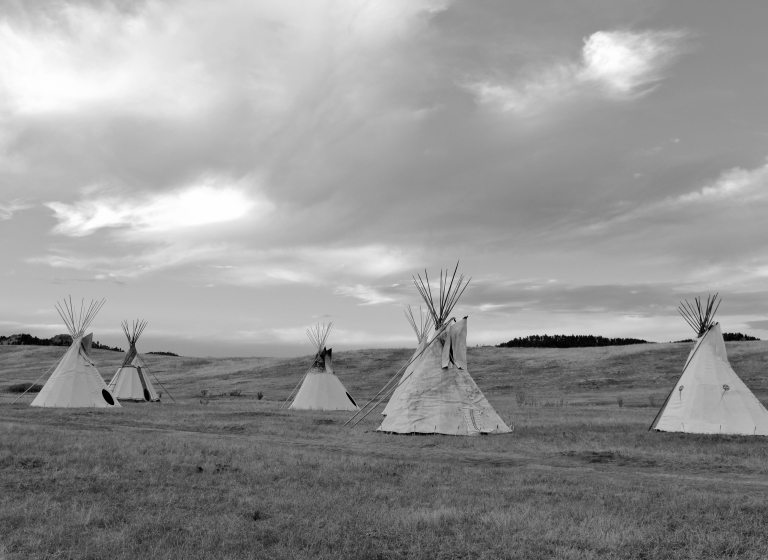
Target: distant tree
x: 728, y: 337
x: 101, y: 346
x: 55, y: 340
x: 567, y: 341
x: 737, y: 337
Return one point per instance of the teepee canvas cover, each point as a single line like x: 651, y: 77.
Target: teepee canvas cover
x: 131, y: 380
x: 436, y: 394
x: 320, y: 388
x: 76, y: 382
x: 709, y: 398
x: 422, y: 326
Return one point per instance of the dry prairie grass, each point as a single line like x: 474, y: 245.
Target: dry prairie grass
x: 579, y: 478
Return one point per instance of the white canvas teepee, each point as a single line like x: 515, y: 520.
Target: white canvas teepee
x: 76, y: 382
x: 131, y: 380
x: 436, y: 394
x: 320, y: 388
x: 709, y: 398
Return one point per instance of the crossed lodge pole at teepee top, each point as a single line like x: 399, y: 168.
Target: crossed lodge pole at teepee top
x: 77, y: 322
x: 449, y: 294
x: 133, y: 331
x: 700, y: 317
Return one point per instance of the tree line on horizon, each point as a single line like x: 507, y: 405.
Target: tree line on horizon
x: 567, y: 341
x: 23, y: 339
x: 590, y: 340
x: 531, y: 341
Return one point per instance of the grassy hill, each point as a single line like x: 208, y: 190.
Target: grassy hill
x: 222, y: 474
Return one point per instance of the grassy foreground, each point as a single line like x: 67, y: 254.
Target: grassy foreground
x: 222, y: 474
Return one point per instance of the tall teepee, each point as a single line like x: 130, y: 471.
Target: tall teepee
x: 76, y: 382
x: 131, y: 380
x: 436, y: 394
x: 320, y: 388
x: 709, y: 398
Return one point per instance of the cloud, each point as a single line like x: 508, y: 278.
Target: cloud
x: 734, y: 188
x: 128, y: 265
x: 229, y: 262
x: 550, y: 85
x: 318, y: 265
x: 8, y: 209
x: 339, y: 336
x: 738, y: 185
x: 761, y: 324
x: 617, y: 65
x: 153, y: 58
x: 80, y: 56
x: 156, y: 93
x: 206, y: 203
x: 624, y: 63
x: 367, y: 294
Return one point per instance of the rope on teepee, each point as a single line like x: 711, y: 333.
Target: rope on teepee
x: 152, y: 373
x: 46, y: 372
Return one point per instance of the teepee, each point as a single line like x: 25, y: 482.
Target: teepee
x: 709, y: 398
x: 436, y: 394
x: 131, y: 380
x: 76, y: 382
x: 320, y: 388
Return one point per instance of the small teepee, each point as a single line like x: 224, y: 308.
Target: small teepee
x: 709, y: 398
x: 320, y: 388
x: 131, y: 380
x: 436, y: 394
x: 76, y: 382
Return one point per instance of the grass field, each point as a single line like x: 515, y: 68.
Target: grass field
x: 222, y: 474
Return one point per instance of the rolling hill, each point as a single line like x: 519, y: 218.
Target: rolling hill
x: 224, y: 474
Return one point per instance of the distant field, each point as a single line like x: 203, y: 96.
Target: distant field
x: 223, y: 476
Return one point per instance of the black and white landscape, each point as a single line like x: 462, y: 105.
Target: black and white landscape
x: 218, y: 178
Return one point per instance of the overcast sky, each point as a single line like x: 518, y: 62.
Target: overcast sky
x: 234, y: 171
